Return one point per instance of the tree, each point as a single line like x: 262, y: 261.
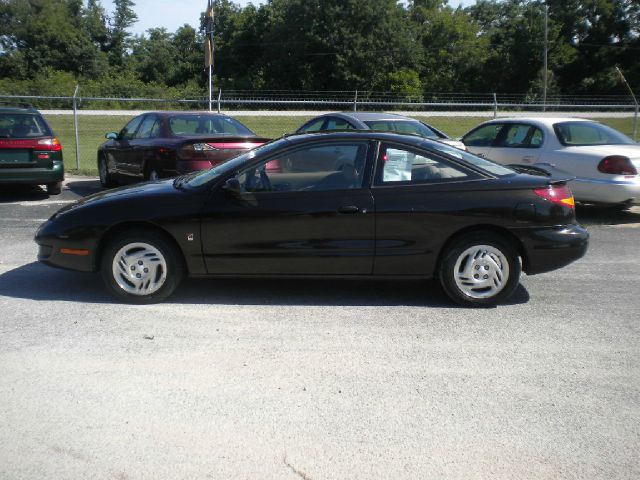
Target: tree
x: 124, y: 17
x: 453, y: 51
x: 335, y: 44
x: 41, y: 35
x: 514, y: 30
x: 602, y: 34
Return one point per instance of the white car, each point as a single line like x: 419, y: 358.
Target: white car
x: 604, y: 162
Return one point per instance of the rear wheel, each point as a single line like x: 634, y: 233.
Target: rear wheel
x: 140, y: 266
x: 106, y: 179
x: 54, y: 188
x: 480, y: 270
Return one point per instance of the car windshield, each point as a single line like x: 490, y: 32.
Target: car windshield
x: 491, y: 167
x: 204, y: 176
x: 22, y: 125
x: 589, y: 133
x: 403, y: 126
x: 203, y: 125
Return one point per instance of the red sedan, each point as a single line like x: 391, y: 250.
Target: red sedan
x: 165, y: 144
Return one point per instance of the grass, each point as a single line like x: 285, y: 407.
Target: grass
x: 91, y: 131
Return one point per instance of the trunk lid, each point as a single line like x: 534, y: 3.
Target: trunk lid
x: 217, y: 149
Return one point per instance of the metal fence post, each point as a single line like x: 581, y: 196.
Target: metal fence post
x: 219, y: 99
x: 355, y: 102
x: 75, y: 125
x: 495, y: 106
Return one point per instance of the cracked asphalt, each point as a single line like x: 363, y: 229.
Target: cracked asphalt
x: 250, y: 379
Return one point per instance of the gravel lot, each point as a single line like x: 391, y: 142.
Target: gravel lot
x: 318, y: 380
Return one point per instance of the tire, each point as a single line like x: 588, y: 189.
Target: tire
x: 152, y: 173
x: 141, y: 266
x: 54, y: 188
x: 106, y: 179
x: 480, y: 270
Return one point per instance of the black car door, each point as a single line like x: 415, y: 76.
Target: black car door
x: 303, y: 212
x: 119, y: 151
x: 421, y: 198
x: 143, y: 145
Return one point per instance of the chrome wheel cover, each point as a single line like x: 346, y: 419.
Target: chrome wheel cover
x: 139, y: 269
x: 481, y: 271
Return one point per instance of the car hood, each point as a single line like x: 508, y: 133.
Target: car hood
x: 155, y: 187
x: 158, y: 188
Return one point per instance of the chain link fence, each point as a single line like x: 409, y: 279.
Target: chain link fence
x: 81, y: 122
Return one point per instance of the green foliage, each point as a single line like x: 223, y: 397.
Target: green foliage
x: 405, y: 82
x: 412, y: 47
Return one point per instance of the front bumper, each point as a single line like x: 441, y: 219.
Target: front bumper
x: 56, y: 251
x: 33, y: 175
x: 550, y: 248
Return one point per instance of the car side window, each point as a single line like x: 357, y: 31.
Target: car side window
x: 397, y: 164
x: 313, y: 126
x: 521, y: 136
x: 483, y: 136
x: 147, y: 127
x: 334, y: 166
x: 130, y: 128
x: 334, y: 123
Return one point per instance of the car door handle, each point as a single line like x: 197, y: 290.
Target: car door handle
x: 527, y: 159
x: 348, y: 209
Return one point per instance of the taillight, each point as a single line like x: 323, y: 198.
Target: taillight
x: 558, y: 194
x: 617, y: 165
x: 50, y: 144
x: 202, y: 151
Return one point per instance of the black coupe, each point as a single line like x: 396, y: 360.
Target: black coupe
x: 340, y: 205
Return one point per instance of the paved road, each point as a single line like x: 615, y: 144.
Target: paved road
x: 318, y: 380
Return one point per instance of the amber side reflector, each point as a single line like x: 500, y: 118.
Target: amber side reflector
x: 75, y: 251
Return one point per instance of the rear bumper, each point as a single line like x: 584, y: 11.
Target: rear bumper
x: 33, y: 175
x: 605, y: 191
x: 550, y: 248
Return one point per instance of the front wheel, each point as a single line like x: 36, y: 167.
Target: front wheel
x: 480, y: 270
x: 106, y: 179
x: 152, y: 173
x: 141, y: 267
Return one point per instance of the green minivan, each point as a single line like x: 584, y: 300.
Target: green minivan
x: 29, y: 151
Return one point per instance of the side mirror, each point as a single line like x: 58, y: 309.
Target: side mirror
x: 111, y: 136
x: 232, y: 187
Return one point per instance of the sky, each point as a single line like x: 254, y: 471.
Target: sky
x: 172, y: 14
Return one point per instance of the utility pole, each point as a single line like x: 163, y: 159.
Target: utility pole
x: 209, y: 47
x: 546, y: 56
x: 635, y: 101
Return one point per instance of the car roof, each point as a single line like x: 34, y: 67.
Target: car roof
x: 188, y: 112
x: 22, y: 108
x: 415, y: 140
x: 371, y: 116
x: 549, y: 121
